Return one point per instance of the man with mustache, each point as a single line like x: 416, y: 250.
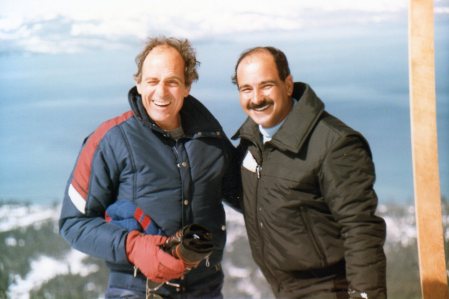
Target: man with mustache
x: 308, y: 197
x: 170, y: 159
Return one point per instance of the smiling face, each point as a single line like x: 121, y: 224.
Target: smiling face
x: 162, y: 86
x: 263, y: 95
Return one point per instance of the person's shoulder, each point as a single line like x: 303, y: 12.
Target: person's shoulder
x: 108, y: 126
x: 340, y: 134
x: 115, y: 121
x: 335, y: 126
x: 332, y: 132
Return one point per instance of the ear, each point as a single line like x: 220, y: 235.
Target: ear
x: 289, y: 84
x: 139, y: 87
x: 187, y: 91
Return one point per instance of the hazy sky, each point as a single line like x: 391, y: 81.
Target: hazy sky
x: 55, y: 26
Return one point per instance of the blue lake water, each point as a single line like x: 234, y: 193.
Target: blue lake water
x: 49, y: 103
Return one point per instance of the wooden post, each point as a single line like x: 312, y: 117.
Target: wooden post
x: 425, y: 152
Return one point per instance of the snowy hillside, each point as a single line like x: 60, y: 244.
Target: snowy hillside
x: 36, y: 263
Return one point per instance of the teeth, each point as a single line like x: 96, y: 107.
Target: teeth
x: 161, y: 103
x: 261, y: 108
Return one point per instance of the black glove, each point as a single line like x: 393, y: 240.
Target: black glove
x: 191, y: 244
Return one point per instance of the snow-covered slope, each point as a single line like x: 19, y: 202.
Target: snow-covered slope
x: 29, y: 234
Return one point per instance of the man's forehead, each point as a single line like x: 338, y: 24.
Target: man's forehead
x: 257, y: 60
x: 165, y: 64
x: 164, y: 51
x: 259, y: 54
x: 260, y: 58
x: 163, y: 48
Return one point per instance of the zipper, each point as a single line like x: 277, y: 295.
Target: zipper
x: 258, y: 224
x: 258, y: 171
x: 179, y: 165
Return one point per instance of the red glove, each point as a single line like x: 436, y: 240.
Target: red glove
x: 144, y: 252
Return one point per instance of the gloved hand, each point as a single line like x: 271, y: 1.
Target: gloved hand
x: 144, y: 252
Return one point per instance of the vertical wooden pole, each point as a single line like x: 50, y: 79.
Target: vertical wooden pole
x: 424, y: 150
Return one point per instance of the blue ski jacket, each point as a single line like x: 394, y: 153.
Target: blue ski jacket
x: 175, y: 182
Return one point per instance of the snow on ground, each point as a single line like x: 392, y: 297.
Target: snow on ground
x: 244, y: 279
x: 13, y: 216
x: 235, y: 225
x: 400, y: 229
x: 236, y: 272
x: 45, y: 268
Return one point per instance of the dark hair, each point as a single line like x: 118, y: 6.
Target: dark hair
x: 184, y: 48
x: 279, y: 58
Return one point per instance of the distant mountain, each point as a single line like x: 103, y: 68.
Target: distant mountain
x: 35, y: 262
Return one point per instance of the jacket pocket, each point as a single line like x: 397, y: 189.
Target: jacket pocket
x: 291, y: 244
x: 325, y: 233
x: 312, y: 236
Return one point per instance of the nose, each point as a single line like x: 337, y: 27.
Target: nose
x: 257, y: 96
x: 161, y: 90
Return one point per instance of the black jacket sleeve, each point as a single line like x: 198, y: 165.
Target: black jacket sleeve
x: 232, y: 182
x: 347, y: 179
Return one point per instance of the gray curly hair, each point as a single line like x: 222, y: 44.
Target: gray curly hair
x: 184, y: 48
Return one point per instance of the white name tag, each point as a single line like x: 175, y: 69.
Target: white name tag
x: 249, y: 162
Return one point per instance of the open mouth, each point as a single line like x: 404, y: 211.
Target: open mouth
x: 262, y: 108
x: 160, y: 103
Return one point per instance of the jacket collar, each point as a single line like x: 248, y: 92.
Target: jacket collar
x: 196, y: 120
x: 297, y: 126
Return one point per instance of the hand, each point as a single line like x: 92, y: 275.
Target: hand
x: 144, y: 252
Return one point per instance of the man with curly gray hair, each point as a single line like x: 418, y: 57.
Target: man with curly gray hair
x: 183, y: 47
x: 143, y: 176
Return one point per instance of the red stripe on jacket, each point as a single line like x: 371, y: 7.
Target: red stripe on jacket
x: 81, y: 175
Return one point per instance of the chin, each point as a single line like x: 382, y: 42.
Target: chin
x: 255, y: 117
x: 261, y: 121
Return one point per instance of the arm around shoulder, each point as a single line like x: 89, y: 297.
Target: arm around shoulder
x: 232, y: 182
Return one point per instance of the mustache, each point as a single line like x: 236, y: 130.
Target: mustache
x: 265, y: 102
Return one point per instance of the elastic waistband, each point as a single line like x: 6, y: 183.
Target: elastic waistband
x: 198, y: 280
x: 127, y: 281
x: 337, y: 269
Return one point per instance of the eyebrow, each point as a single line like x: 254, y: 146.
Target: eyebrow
x: 244, y: 86
x: 174, y: 78
x: 267, y: 82
x: 259, y: 84
x: 164, y: 79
